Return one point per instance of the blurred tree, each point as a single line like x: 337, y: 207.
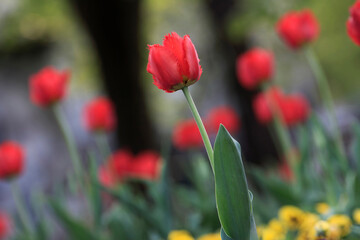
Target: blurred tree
x: 256, y: 141
x: 114, y: 29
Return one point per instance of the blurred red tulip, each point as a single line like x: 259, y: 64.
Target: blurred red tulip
x: 175, y: 64
x: 99, y: 115
x: 298, y: 28
x: 261, y: 104
x: 254, y: 67
x: 187, y: 135
x: 223, y: 115
x: 295, y: 109
x: 5, y: 226
x: 123, y: 164
x: 285, y: 172
x: 146, y: 165
x: 353, y: 23
x: 120, y: 163
x: 11, y: 160
x: 48, y: 86
x: 107, y: 176
x: 292, y: 109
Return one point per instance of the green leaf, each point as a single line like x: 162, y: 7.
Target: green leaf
x: 223, y: 235
x: 74, y: 228
x: 231, y: 190
x: 138, y: 210
x: 357, y: 191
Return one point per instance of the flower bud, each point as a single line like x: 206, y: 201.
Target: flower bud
x: 11, y: 160
x: 353, y: 23
x: 186, y: 135
x: 175, y: 64
x: 48, y: 86
x: 99, y: 115
x: 298, y: 28
x: 254, y: 67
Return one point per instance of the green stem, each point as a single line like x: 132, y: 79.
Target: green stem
x: 69, y: 140
x: 286, y: 146
x: 330, y: 185
x: 200, y: 125
x: 102, y: 144
x: 325, y: 93
x: 24, y: 218
x: 283, y: 137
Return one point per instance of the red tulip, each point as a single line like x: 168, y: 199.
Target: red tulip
x: 187, y: 135
x: 107, y: 176
x: 99, y: 115
x: 298, y: 28
x: 262, y: 106
x: 48, y: 86
x: 254, y: 67
x: 175, y: 64
x: 123, y: 165
x: 5, y: 226
x: 120, y: 163
x: 146, y: 165
x: 353, y: 23
x: 11, y: 160
x: 292, y: 109
x: 226, y: 116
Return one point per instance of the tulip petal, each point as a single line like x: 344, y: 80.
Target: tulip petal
x: 192, y: 59
x: 164, y: 67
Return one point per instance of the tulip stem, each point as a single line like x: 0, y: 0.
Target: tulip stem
x: 69, y: 140
x: 200, y: 125
x: 24, y: 218
x: 325, y: 93
x: 103, y: 145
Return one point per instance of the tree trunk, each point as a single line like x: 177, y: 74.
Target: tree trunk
x: 113, y: 25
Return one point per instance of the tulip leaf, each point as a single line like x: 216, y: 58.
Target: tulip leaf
x: 138, y: 210
x: 223, y: 235
x: 74, y: 228
x: 231, y: 189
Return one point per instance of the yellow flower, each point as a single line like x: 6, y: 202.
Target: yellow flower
x: 321, y: 230
x: 270, y: 234
x: 292, y: 217
x: 322, y: 208
x: 212, y: 236
x: 260, y: 230
x: 356, y: 216
x: 342, y: 222
x: 180, y: 235
x: 277, y: 226
x: 309, y: 221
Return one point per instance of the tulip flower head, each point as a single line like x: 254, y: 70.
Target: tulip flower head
x: 107, y: 176
x: 353, y: 23
x: 99, y: 115
x: 123, y: 165
x: 5, y: 226
x: 48, y: 86
x: 254, y: 67
x: 11, y: 160
x: 175, y: 64
x: 223, y: 115
x: 145, y: 165
x: 186, y: 135
x: 292, y: 109
x: 298, y: 28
